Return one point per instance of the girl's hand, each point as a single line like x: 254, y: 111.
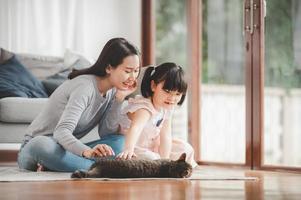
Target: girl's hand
x: 100, y: 150
x: 121, y: 94
x: 127, y: 154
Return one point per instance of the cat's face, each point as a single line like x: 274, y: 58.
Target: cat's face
x: 182, y: 169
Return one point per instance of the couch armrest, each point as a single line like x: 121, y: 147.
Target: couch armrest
x: 20, y: 110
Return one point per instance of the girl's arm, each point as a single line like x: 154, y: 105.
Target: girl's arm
x: 165, y: 139
x: 139, y: 118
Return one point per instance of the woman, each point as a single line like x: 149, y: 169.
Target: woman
x: 93, y: 95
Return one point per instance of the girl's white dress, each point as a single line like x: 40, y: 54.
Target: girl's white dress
x: 147, y: 146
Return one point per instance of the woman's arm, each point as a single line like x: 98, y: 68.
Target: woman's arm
x: 139, y: 119
x: 110, y: 123
x: 165, y: 139
x: 78, y: 101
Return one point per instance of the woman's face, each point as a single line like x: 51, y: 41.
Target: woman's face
x: 124, y: 76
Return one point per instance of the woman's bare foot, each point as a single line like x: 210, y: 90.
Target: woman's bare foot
x: 40, y: 168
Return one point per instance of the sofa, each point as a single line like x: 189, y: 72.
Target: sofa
x: 18, y: 109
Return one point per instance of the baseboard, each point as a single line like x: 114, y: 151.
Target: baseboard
x: 10, y: 146
x: 8, y: 155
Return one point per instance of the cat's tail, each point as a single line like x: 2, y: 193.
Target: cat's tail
x: 79, y: 174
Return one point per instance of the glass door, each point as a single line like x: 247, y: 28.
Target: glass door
x: 171, y: 34
x: 223, y: 96
x: 282, y: 85
x: 245, y: 58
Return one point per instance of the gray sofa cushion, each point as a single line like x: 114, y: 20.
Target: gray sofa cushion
x: 20, y: 110
x: 44, y: 66
x: 41, y: 66
x: 12, y: 133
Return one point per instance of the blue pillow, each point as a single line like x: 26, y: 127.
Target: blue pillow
x: 17, y: 81
x: 54, y: 81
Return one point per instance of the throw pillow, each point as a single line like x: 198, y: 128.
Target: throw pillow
x: 52, y: 82
x: 41, y: 66
x: 72, y: 60
x: 16, y: 81
x: 75, y: 60
x: 5, y: 55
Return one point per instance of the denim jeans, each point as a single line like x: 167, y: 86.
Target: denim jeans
x: 47, y: 152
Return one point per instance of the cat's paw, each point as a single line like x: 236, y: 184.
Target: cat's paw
x: 78, y: 174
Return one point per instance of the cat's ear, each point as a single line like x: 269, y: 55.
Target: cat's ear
x: 182, y: 157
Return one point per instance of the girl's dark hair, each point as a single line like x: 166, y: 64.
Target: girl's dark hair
x: 170, y: 73
x: 113, y: 53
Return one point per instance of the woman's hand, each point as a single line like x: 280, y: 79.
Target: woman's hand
x: 127, y: 154
x: 100, y: 150
x: 121, y: 94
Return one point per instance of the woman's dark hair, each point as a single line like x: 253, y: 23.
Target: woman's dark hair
x: 170, y: 73
x: 113, y: 53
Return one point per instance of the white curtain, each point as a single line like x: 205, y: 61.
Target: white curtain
x: 49, y: 27
x: 46, y: 27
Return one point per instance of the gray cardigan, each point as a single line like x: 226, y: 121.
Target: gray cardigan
x: 73, y: 110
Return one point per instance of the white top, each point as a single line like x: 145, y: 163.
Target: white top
x: 151, y: 130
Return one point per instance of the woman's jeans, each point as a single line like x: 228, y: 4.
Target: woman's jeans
x: 47, y: 152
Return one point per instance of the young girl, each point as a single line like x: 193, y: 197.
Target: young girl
x: 146, y: 121
x: 92, y: 96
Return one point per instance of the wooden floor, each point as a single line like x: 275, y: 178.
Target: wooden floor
x: 269, y: 185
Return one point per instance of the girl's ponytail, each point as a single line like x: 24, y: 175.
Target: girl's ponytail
x: 146, y: 90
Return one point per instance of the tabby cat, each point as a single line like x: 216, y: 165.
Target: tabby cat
x: 135, y: 168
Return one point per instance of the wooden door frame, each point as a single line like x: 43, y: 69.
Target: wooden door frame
x: 257, y: 84
x: 148, y: 32
x: 248, y: 46
x: 193, y: 8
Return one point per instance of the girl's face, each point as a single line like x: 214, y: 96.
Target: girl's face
x: 124, y: 76
x: 165, y: 99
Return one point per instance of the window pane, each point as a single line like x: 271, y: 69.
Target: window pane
x: 282, y: 94
x: 223, y: 78
x: 171, y: 34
